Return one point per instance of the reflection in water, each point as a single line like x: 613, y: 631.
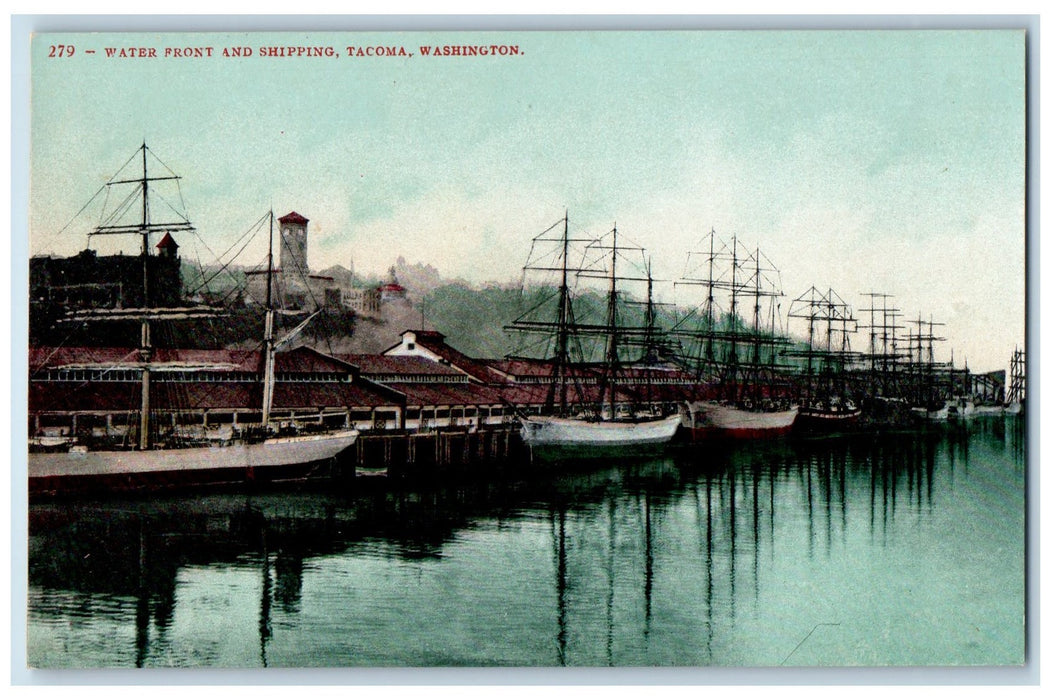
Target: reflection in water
x: 560, y: 566
x: 264, y: 605
x: 610, y: 568
x: 907, y: 549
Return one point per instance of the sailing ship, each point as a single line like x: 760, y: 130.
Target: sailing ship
x: 826, y: 404
x: 928, y: 396
x: 261, y: 451
x: 589, y: 404
x: 737, y: 359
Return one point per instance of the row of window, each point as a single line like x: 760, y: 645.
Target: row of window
x: 420, y: 378
x: 135, y: 375
x: 593, y: 380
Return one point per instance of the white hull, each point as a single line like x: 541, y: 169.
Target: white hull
x: 274, y: 452
x: 978, y: 411
x: 711, y: 416
x: 975, y: 411
x: 571, y: 432
x: 931, y: 414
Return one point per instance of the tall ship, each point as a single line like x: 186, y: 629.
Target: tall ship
x: 928, y: 393
x: 593, y: 394
x: 827, y: 400
x: 735, y: 353
x: 140, y: 453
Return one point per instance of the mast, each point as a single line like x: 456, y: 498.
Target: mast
x: 612, y: 358
x: 268, y: 332
x: 145, y: 349
x: 115, y: 223
x: 709, y: 351
x: 755, y: 316
x: 732, y: 357
x: 651, y: 351
x: 755, y: 389
x: 554, y: 325
x: 562, y: 341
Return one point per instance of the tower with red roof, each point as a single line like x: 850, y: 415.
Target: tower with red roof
x: 294, y: 244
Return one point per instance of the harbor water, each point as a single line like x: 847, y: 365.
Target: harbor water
x: 899, y: 549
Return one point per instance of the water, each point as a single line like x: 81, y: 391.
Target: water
x: 903, y: 550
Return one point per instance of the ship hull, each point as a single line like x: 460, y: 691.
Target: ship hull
x: 274, y: 460
x: 962, y: 410
x: 816, y: 421
x: 548, y: 431
x: 931, y: 414
x: 716, y: 420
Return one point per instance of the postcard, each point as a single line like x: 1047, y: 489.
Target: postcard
x: 689, y: 349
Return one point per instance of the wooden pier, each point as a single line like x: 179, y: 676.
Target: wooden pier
x: 397, y: 452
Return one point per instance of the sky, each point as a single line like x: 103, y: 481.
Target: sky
x: 862, y: 161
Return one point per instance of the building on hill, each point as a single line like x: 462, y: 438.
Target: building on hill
x: 295, y: 288
x: 364, y: 302
x: 293, y: 257
x: 392, y: 290
x: 89, y: 280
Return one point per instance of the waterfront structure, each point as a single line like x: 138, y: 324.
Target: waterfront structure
x: 93, y: 394
x: 436, y: 394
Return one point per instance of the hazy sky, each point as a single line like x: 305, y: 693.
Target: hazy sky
x: 889, y: 161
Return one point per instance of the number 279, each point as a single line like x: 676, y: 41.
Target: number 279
x: 61, y: 51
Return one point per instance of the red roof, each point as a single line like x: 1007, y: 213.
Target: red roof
x: 520, y: 368
x: 50, y: 358
x: 446, y: 394
x: 293, y: 218
x: 167, y: 242
x: 307, y: 360
x: 311, y: 395
x: 300, y: 360
x: 119, y: 397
